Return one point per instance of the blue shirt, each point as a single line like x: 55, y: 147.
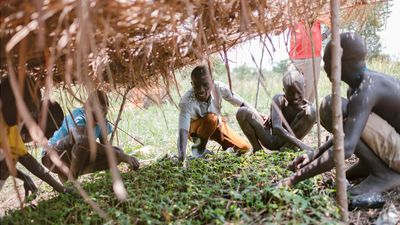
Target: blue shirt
x: 78, y: 118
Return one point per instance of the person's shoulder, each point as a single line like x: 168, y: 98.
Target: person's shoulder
x: 187, y: 98
x: 220, y: 84
x: 279, y: 98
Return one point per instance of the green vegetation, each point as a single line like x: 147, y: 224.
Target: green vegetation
x: 223, y: 188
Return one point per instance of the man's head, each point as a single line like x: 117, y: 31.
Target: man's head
x: 202, y: 83
x: 293, y: 86
x: 31, y: 97
x: 353, y: 57
x: 54, y: 119
x: 98, y: 100
x: 325, y: 112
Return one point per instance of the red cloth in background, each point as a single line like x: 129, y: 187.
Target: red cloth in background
x: 300, y: 41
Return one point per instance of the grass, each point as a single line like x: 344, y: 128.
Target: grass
x: 218, y: 190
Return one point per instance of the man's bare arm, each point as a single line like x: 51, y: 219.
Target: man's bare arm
x: 182, y: 142
x: 34, y: 167
x: 317, y: 166
x: 358, y: 111
x: 279, y: 130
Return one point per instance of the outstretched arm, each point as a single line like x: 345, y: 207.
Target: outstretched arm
x: 183, y: 130
x: 309, y: 156
x: 34, y: 167
x: 319, y: 165
x: 278, y: 129
x: 182, y: 142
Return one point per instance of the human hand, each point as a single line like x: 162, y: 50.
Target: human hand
x: 300, y: 162
x: 134, y: 163
x: 29, y: 186
x: 264, y: 118
x: 287, y: 182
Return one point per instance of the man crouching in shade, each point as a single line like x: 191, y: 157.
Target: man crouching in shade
x: 199, y: 116
x: 12, y: 148
x: 371, y: 126
x: 272, y: 132
x: 72, y: 140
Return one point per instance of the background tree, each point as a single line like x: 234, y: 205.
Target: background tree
x: 370, y: 29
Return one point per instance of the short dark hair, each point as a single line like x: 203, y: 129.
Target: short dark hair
x: 101, y: 96
x: 353, y: 45
x: 54, y: 119
x: 293, y: 78
x: 200, y: 71
x: 31, y: 97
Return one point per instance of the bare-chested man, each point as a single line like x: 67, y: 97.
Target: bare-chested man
x: 272, y: 132
x: 373, y: 93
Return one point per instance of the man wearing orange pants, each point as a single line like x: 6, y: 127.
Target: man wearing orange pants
x: 199, y: 117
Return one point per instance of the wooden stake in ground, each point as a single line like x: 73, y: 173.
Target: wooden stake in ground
x: 341, y: 194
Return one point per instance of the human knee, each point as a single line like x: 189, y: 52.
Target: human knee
x: 82, y: 141
x: 325, y: 112
x: 310, y: 116
x: 211, y: 118
x: 243, y: 114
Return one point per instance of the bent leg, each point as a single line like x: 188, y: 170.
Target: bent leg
x: 200, y: 132
x: 381, y: 178
x: 101, y: 162
x: 227, y: 137
x: 356, y: 171
x: 304, y: 121
x: 80, y: 159
x: 204, y: 127
x: 252, y: 125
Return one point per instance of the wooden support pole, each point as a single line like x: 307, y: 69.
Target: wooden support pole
x: 341, y: 194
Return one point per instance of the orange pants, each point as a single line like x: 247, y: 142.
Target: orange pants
x: 207, y: 127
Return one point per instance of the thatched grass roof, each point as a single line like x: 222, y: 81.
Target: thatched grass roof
x: 136, y: 42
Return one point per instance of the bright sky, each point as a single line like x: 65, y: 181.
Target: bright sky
x: 242, y: 54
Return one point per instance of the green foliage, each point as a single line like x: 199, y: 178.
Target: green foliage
x: 222, y: 188
x: 370, y: 29
x: 281, y: 66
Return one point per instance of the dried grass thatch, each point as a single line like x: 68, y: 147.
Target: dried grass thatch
x: 134, y: 43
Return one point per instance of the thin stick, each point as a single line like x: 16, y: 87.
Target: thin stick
x: 338, y: 143
x: 258, y: 80
x: 127, y: 133
x: 120, y: 113
x: 315, y: 84
x: 227, y: 66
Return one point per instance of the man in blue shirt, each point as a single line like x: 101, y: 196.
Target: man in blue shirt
x: 72, y: 140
